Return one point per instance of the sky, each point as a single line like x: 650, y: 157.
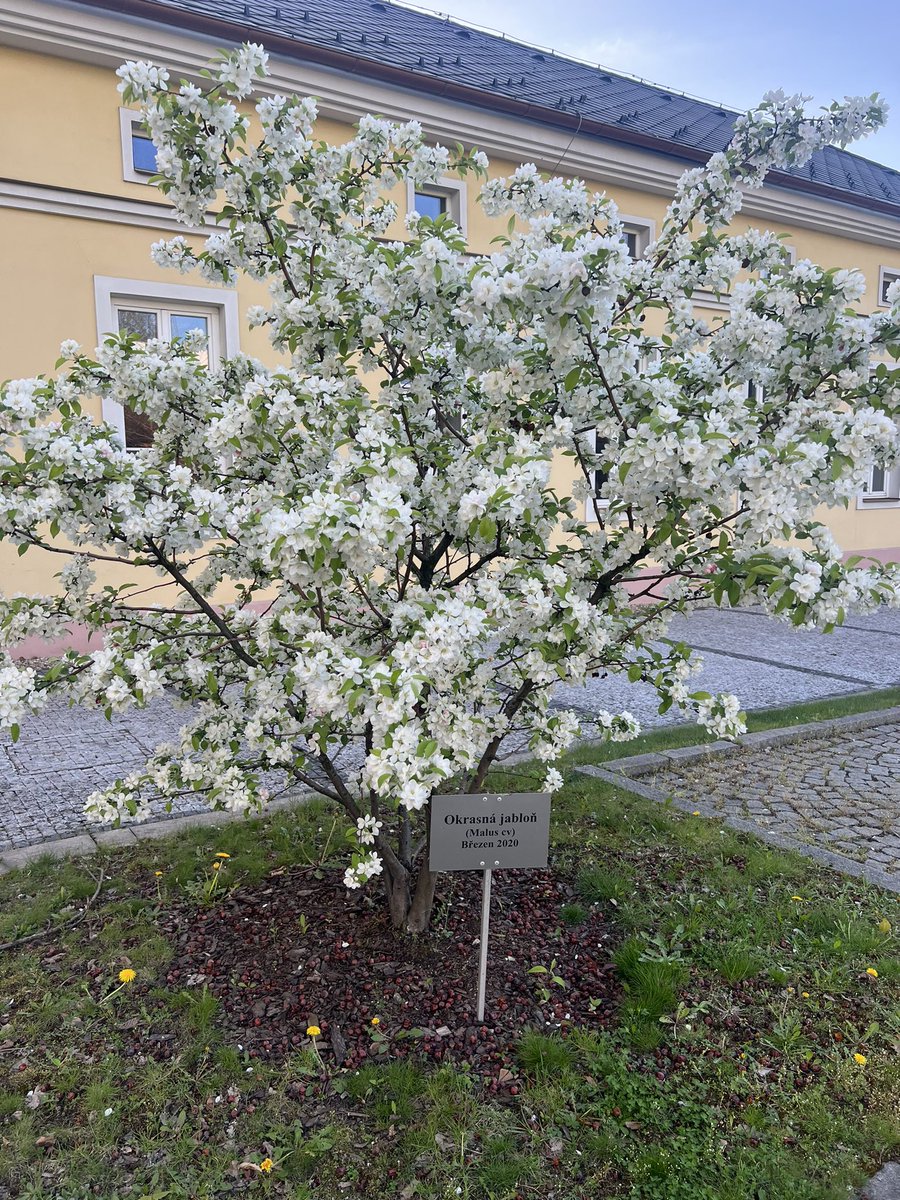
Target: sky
x: 728, y: 53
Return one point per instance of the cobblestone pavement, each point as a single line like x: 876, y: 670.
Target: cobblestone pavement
x: 65, y: 753
x: 764, y: 661
x: 840, y: 793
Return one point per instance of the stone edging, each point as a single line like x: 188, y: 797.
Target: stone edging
x: 624, y: 773
x: 81, y: 844
x: 621, y: 772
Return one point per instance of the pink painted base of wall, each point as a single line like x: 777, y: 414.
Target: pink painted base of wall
x: 890, y: 554
x: 79, y: 639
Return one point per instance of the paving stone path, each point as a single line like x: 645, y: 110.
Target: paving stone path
x: 63, y: 755
x: 840, y: 793
x: 830, y: 789
x: 66, y: 753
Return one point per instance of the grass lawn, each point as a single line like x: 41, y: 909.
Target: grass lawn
x: 749, y: 1051
x: 671, y: 737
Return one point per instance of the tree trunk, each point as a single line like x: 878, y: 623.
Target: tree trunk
x: 396, y: 885
x: 419, y: 916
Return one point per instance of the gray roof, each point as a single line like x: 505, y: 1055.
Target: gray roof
x: 431, y: 53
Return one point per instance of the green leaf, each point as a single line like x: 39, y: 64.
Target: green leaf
x: 571, y: 380
x: 487, y: 528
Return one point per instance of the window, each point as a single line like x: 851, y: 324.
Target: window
x: 639, y: 233
x: 877, y: 483
x: 881, y: 488
x: 595, y: 504
x: 435, y: 199
x: 431, y: 205
x: 886, y: 278
x: 791, y: 251
x: 150, y: 310
x: 138, y: 151
x: 170, y: 325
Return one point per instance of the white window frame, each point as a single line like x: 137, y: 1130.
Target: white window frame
x: 454, y: 191
x: 643, y: 227
x: 791, y: 253
x: 886, y: 276
x: 111, y: 293
x: 129, y: 119
x: 889, y: 497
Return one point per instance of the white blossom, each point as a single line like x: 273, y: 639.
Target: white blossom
x: 370, y: 564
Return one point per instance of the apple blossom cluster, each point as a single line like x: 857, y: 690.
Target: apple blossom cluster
x: 364, y: 867
x: 19, y: 695
x: 363, y: 570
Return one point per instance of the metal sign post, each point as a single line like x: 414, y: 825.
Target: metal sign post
x: 483, y: 945
x: 484, y: 833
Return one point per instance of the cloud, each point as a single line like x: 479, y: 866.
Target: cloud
x: 619, y: 53
x: 661, y: 59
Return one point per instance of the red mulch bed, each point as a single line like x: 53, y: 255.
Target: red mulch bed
x: 273, y: 980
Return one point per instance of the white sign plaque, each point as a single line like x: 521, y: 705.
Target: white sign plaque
x: 487, y: 831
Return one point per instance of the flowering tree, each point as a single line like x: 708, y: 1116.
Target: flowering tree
x: 404, y: 584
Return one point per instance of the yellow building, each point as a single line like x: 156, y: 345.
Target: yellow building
x: 79, y: 214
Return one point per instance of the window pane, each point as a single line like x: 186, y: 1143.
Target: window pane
x: 138, y: 430
x: 429, y: 205
x: 600, y: 474
x: 185, y: 323
x: 631, y: 241
x: 143, y: 325
x: 878, y: 480
x: 143, y: 154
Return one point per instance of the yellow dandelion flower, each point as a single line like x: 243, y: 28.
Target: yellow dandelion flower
x: 871, y: 971
x: 126, y: 975
x: 796, y: 897
x: 696, y: 812
x: 216, y: 866
x: 861, y: 1059
x: 376, y: 1021
x: 266, y: 1165
x: 157, y: 874
x: 805, y: 995
x: 222, y: 854
x: 313, y: 1031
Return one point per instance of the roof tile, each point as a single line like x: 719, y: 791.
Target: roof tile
x: 440, y: 49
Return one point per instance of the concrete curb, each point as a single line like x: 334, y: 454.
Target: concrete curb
x: 83, y: 844
x: 621, y: 772
x: 885, y: 1185
x: 625, y: 773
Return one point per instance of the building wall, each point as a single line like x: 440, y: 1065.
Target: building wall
x: 61, y: 131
